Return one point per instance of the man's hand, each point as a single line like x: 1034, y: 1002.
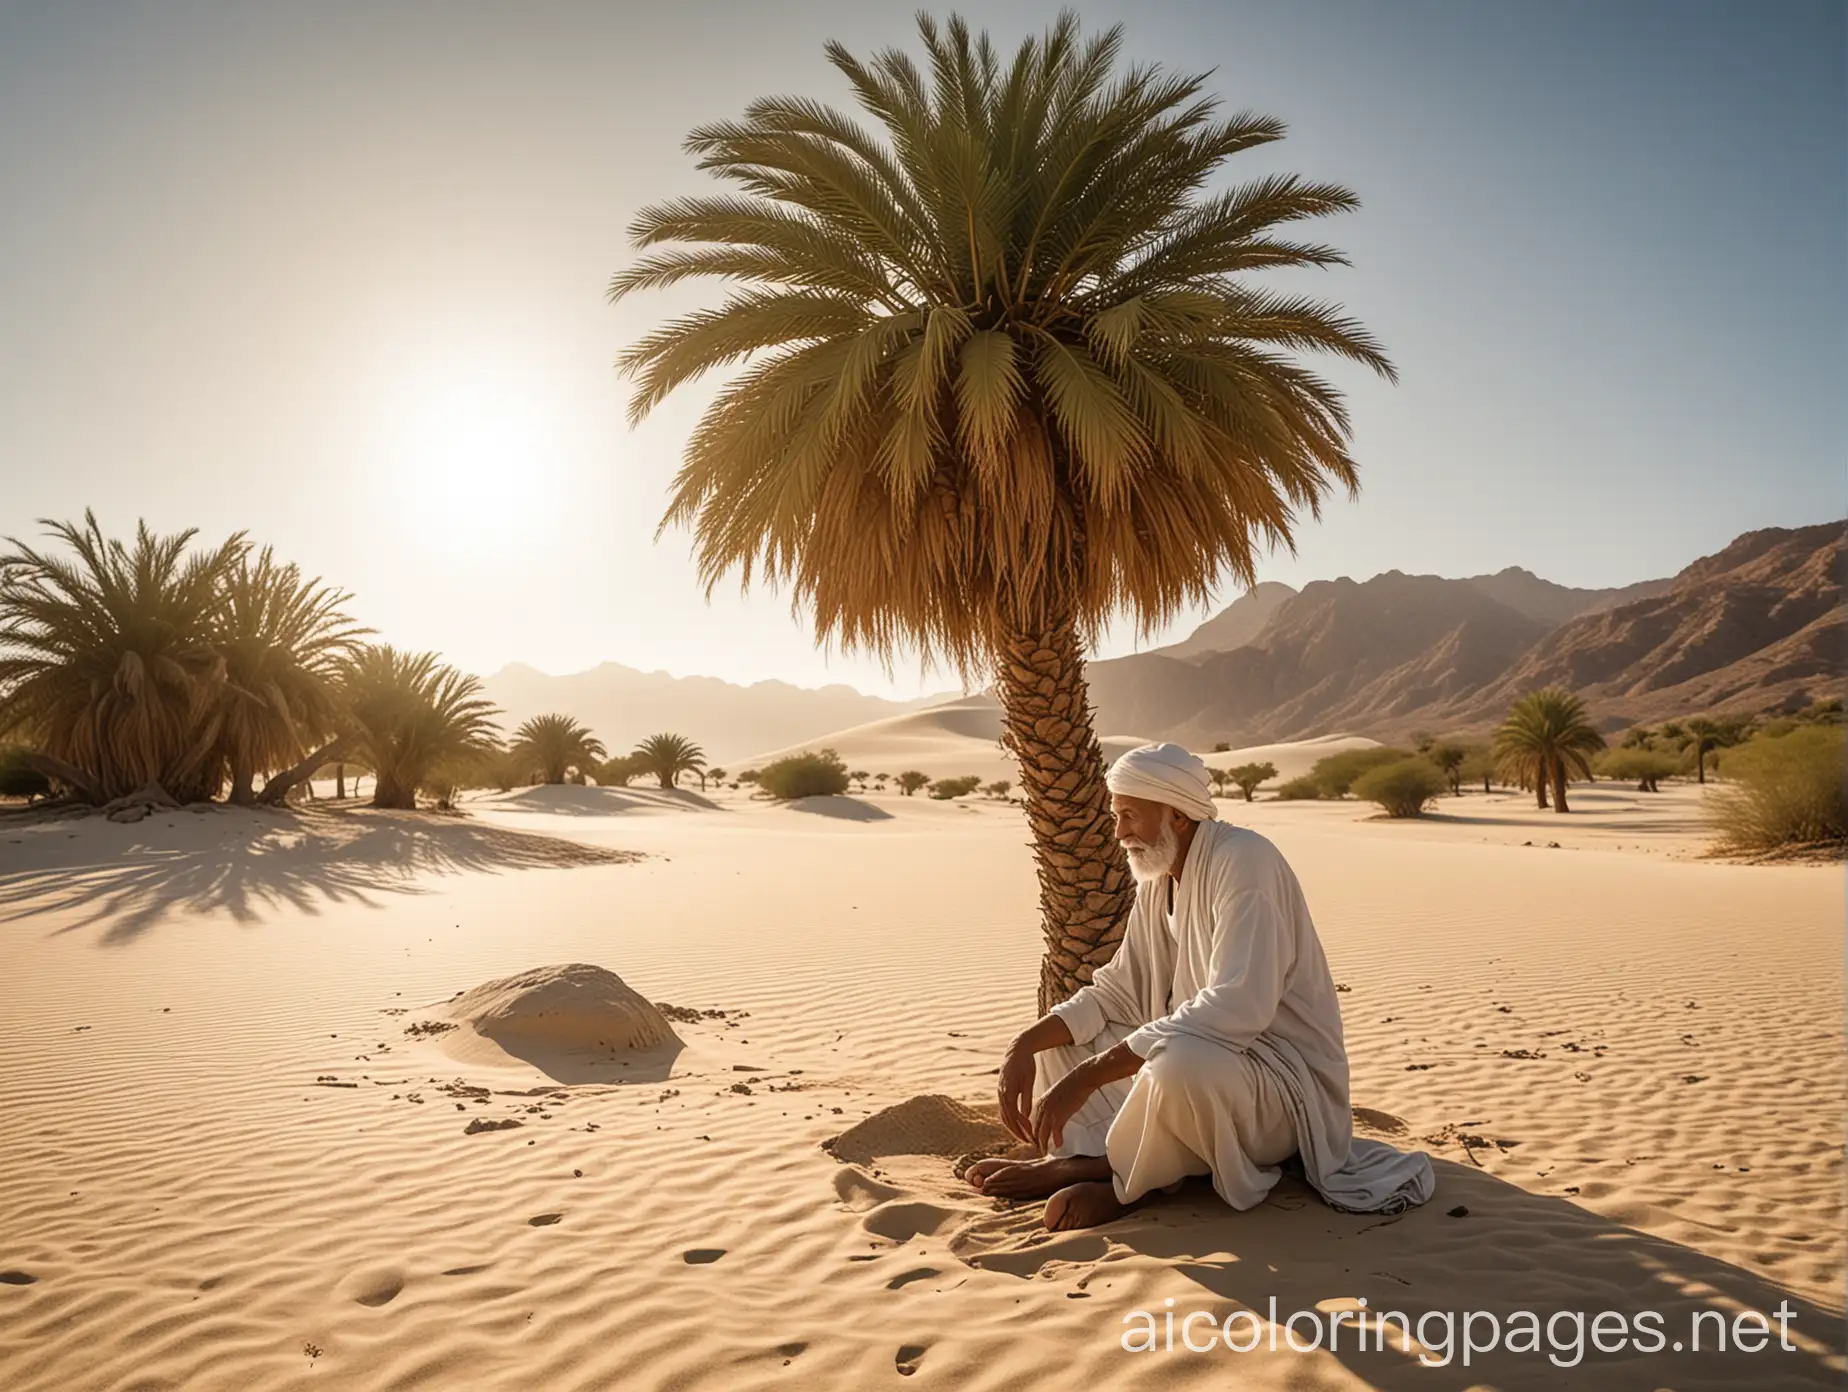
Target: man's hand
x: 1060, y: 1105
x: 1016, y: 1083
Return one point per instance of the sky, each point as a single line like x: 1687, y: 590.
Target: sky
x: 334, y: 275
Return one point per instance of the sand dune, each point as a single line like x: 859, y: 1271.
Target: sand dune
x: 234, y: 1160
x: 961, y: 737
x: 949, y: 740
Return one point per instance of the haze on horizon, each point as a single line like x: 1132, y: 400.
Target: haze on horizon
x: 335, y: 276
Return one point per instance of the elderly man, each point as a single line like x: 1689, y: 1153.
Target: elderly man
x: 1209, y: 1045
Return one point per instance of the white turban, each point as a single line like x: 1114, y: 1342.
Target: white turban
x: 1165, y: 773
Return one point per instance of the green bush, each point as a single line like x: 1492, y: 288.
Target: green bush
x: 1402, y: 787
x: 812, y: 773
x: 16, y: 780
x: 1783, y: 790
x: 1644, y: 767
x: 1336, y: 773
x: 945, y: 788
x: 1305, y: 788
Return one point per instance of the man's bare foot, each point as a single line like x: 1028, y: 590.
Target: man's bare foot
x: 1001, y: 1178
x: 1083, y: 1205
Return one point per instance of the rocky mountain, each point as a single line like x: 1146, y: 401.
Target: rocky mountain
x: 1341, y: 655
x: 622, y: 706
x: 1235, y: 625
x: 1526, y: 593
x: 1756, y: 626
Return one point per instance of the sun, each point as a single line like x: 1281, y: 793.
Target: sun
x: 476, y: 460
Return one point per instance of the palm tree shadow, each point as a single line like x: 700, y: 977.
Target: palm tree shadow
x: 579, y: 800
x: 1512, y: 1251
x: 248, y: 863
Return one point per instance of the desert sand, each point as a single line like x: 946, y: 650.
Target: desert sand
x: 245, y: 1146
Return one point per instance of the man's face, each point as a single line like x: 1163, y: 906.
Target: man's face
x: 1138, y: 820
x: 1150, y: 833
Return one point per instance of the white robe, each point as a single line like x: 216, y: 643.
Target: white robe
x: 1231, y: 1005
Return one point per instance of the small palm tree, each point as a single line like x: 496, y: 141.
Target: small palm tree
x: 1546, y: 733
x: 414, y: 720
x: 1004, y: 381
x: 554, y: 745
x: 283, y: 639
x: 669, y: 756
x: 108, y: 663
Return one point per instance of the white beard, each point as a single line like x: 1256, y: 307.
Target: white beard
x: 1148, y: 863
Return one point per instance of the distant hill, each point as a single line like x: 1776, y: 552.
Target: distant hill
x: 623, y: 706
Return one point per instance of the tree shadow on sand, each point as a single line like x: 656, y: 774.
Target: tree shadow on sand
x: 1512, y: 1251
x: 577, y: 800
x: 248, y: 863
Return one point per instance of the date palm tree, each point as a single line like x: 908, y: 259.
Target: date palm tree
x: 667, y: 757
x: 1545, y: 735
x: 283, y: 639
x: 414, y: 719
x: 108, y: 666
x: 1003, y: 377
x: 555, y: 744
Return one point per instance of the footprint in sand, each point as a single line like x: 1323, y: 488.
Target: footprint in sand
x: 905, y: 1278
x: 909, y: 1357
x: 1380, y: 1121
x: 17, y: 1278
x: 702, y: 1256
x: 373, y: 1286
x: 465, y: 1270
x: 545, y: 1220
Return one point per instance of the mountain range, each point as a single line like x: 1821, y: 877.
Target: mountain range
x: 623, y: 706
x: 1757, y: 626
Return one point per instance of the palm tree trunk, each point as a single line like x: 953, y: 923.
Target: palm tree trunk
x: 388, y: 792
x: 1700, y: 763
x: 340, y: 782
x: 243, y: 784
x: 276, y: 788
x: 1085, y: 885
x: 1559, y: 784
x: 1540, y: 784
x: 72, y: 777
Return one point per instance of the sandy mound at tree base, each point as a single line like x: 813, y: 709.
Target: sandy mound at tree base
x: 927, y: 1125
x: 572, y: 1007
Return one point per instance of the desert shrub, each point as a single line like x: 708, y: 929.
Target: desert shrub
x: 1305, y: 788
x: 812, y: 773
x: 1783, y: 790
x: 946, y: 788
x: 1249, y: 776
x: 911, y: 780
x: 998, y: 788
x: 1402, y: 787
x: 1336, y: 773
x: 1645, y: 767
x: 16, y: 780
x: 1450, y: 757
